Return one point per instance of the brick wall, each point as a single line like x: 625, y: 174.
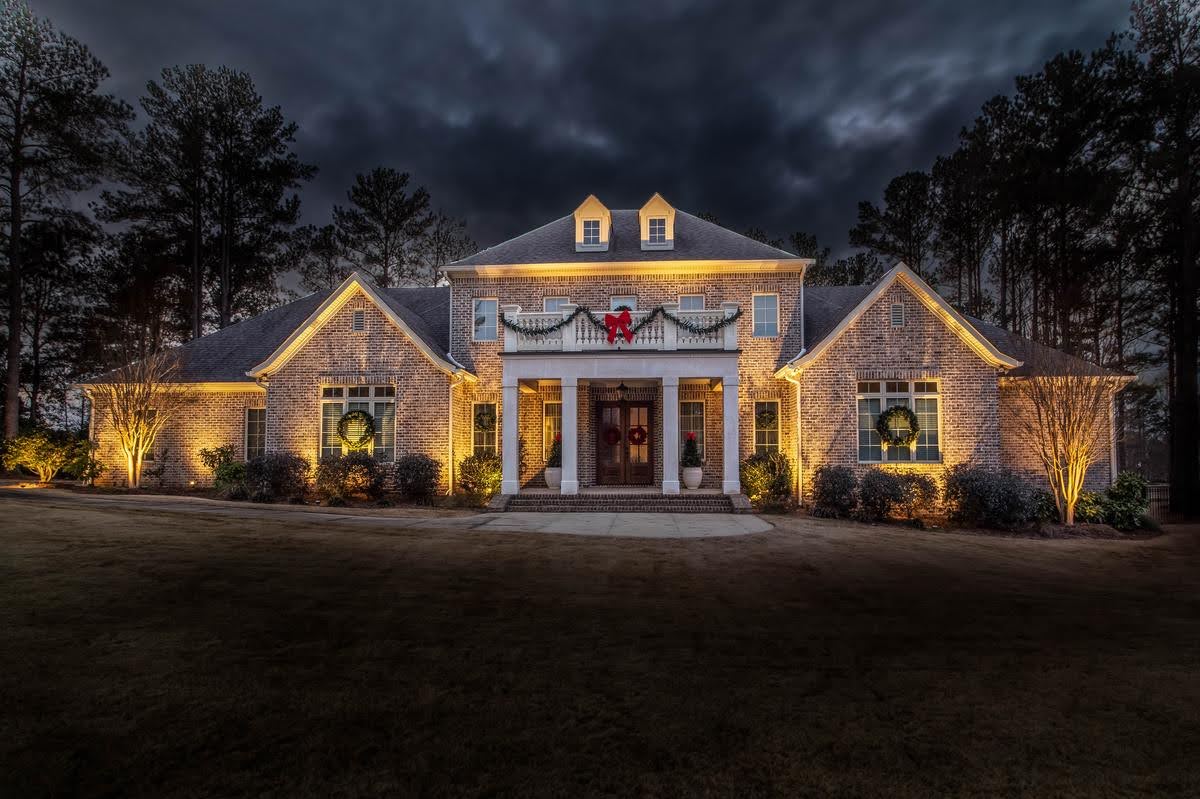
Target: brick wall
x: 1016, y: 452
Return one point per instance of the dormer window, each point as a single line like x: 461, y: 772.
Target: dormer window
x: 656, y: 219
x: 658, y: 230
x: 591, y: 232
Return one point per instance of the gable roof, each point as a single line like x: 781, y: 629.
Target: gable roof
x: 226, y: 355
x: 695, y: 240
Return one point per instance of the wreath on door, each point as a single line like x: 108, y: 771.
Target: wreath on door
x: 612, y: 436
x: 638, y: 435
x: 897, y: 436
x: 356, y: 429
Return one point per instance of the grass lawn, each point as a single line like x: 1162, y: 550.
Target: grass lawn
x: 158, y: 654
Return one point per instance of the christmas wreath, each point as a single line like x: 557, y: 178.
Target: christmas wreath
x: 356, y: 429
x: 485, y: 419
x: 638, y: 435
x: 612, y: 436
x: 766, y: 418
x: 897, y: 436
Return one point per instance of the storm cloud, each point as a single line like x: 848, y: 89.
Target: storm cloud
x: 780, y: 115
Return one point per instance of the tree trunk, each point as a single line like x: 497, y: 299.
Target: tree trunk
x: 197, y: 275
x: 12, y: 387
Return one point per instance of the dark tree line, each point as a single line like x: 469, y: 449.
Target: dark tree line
x: 196, y: 225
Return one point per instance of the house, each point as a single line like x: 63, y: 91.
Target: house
x: 623, y: 332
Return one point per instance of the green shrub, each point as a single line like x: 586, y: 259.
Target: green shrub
x: 45, y: 452
x: 919, y: 492
x: 835, y: 491
x: 984, y: 497
x: 691, y: 453
x: 215, y: 457
x: 342, y: 477
x: 479, y: 475
x: 229, y: 479
x: 1044, y: 508
x: 767, y: 479
x: 879, y: 493
x: 417, y: 476
x: 1126, y: 502
x: 1089, y: 508
x: 554, y: 459
x: 277, y: 476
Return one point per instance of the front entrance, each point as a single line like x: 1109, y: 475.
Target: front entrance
x: 624, y: 434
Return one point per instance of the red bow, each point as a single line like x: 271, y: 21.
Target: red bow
x: 619, y: 323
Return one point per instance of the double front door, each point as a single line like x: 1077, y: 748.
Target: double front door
x: 623, y: 443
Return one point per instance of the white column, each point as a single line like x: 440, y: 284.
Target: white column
x: 670, y: 414
x: 510, y: 480
x: 732, y: 482
x: 570, y: 436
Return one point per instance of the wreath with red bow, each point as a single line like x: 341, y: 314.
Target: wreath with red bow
x: 638, y: 435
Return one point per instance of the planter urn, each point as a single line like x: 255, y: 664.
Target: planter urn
x: 692, y: 475
x: 554, y: 477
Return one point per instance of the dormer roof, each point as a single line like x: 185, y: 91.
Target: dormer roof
x: 656, y: 221
x: 593, y: 226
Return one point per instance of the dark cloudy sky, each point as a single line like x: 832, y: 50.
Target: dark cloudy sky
x: 782, y: 115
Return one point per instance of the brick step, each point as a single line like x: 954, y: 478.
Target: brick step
x: 620, y: 503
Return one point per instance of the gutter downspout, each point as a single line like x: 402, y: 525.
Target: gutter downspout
x: 791, y: 378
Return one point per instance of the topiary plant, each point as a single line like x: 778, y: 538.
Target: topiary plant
x: 554, y: 458
x: 355, y: 474
x: 880, y: 492
x: 834, y: 491
x: 417, y: 476
x: 984, y: 497
x: 691, y: 453
x: 277, y: 476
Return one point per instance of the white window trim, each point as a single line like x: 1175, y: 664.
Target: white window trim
x: 650, y: 229
x: 546, y: 444
x: 778, y: 425
x: 703, y: 428
x: 246, y: 432
x: 474, y: 314
x: 583, y: 238
x: 613, y: 297
x: 547, y: 300
x: 754, y: 313
x: 913, y: 396
x: 495, y: 432
x: 680, y: 297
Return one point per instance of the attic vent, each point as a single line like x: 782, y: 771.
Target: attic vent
x: 358, y: 320
x: 898, y: 314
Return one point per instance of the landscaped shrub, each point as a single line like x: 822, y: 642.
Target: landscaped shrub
x: 342, y: 477
x: 984, y: 497
x: 277, y: 476
x: 690, y: 459
x: 45, y: 452
x: 835, y: 491
x: 215, y: 457
x: 767, y: 479
x: 1126, y: 502
x: 1089, y: 509
x: 417, y: 476
x: 554, y: 459
x: 229, y: 476
x: 1044, y: 509
x: 479, y: 475
x: 920, y: 494
x: 880, y: 492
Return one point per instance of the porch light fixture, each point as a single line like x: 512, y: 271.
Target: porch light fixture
x: 621, y: 389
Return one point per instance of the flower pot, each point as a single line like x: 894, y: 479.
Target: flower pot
x: 692, y: 475
x: 554, y: 477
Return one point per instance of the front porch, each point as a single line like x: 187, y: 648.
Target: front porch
x: 619, y: 418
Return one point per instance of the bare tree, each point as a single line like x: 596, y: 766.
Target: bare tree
x: 138, y: 401
x: 1068, y: 402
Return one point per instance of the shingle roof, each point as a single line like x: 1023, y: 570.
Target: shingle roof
x: 225, y: 355
x: 695, y: 240
x: 1037, y: 357
x: 825, y: 306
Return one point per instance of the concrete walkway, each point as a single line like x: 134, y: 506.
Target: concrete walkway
x: 608, y: 525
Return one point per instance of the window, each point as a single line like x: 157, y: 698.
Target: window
x: 616, y: 303
x: 766, y: 315
x: 766, y: 427
x: 554, y: 304
x: 591, y: 231
x: 875, y: 397
x: 551, y: 425
x: 256, y: 432
x: 358, y: 320
x: 378, y: 401
x: 691, y: 302
x: 658, y: 230
x: 485, y: 320
x: 898, y: 314
x: 483, y: 425
x: 691, y: 420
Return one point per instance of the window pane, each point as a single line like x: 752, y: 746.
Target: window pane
x: 385, y: 431
x: 485, y: 320
x: 691, y: 302
x: 766, y: 432
x: 331, y: 412
x: 928, y: 446
x: 331, y: 391
x: 256, y: 432
x: 869, y: 445
x: 591, y: 231
x: 766, y: 315
x: 554, y: 304
x: 627, y: 301
x: 691, y: 420
x: 658, y: 231
x: 551, y: 425
x: 360, y: 391
x: 484, y: 440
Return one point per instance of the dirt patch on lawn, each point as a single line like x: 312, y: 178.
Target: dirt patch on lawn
x: 154, y: 653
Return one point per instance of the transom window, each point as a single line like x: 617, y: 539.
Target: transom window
x: 766, y: 427
x: 691, y: 420
x: 485, y: 320
x: 691, y: 302
x: 766, y: 315
x: 658, y: 230
x: 378, y: 401
x: 256, y: 432
x: 616, y: 303
x: 591, y: 231
x: 484, y: 422
x: 554, y: 304
x: 551, y: 425
x: 920, y: 396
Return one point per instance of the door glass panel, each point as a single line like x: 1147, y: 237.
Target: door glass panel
x: 610, y: 437
x: 639, y: 430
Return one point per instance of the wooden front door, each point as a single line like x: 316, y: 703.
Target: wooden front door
x: 624, y: 435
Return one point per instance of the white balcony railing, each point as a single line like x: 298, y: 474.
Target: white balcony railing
x: 581, y: 335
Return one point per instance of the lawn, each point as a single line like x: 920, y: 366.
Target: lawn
x: 157, y: 654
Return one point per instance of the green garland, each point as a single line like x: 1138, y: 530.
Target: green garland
x: 545, y: 329
x: 367, y: 432
x: 897, y: 438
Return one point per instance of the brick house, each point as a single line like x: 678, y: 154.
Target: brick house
x: 527, y: 342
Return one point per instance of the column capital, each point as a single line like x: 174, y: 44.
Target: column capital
x: 570, y: 382
x: 670, y: 381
